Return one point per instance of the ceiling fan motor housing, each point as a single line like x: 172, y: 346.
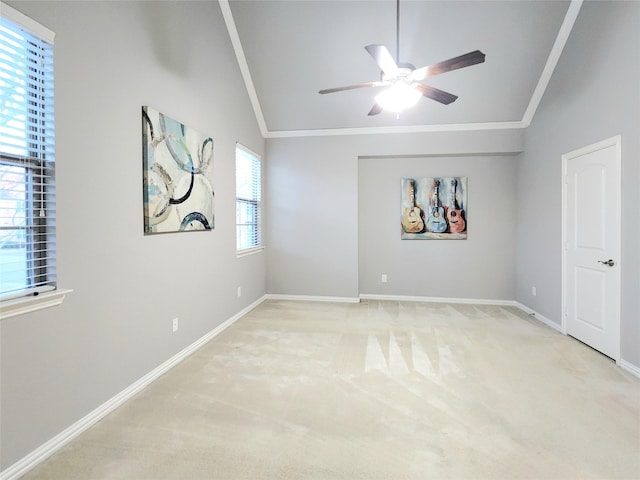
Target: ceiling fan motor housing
x: 403, y: 73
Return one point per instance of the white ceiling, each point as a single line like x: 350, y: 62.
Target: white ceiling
x: 288, y: 50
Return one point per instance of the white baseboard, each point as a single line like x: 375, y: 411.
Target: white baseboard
x: 312, y: 298
x: 539, y: 317
x: 629, y: 367
x: 47, y: 449
x: 469, y: 301
x: 407, y: 298
x: 41, y: 453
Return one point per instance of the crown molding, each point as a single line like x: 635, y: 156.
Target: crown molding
x: 242, y: 63
x: 552, y: 61
x: 453, y: 127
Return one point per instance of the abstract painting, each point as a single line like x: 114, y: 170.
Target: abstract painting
x: 434, y: 208
x: 178, y: 175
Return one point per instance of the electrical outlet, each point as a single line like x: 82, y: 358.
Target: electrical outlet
x: 239, y: 291
x: 175, y: 324
x: 383, y: 279
x: 533, y: 291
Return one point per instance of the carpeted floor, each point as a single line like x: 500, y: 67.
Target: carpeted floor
x: 377, y: 390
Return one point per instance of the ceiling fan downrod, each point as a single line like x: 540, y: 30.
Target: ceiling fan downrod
x: 398, y: 32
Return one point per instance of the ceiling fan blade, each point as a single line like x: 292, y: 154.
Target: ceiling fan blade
x: 435, y: 94
x: 375, y: 110
x: 351, y: 87
x: 383, y: 58
x: 466, y: 60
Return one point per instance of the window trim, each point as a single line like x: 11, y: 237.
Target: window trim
x: 32, y: 303
x: 39, y: 298
x: 27, y: 23
x: 249, y: 251
x: 261, y: 246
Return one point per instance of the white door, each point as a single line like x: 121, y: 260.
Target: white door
x: 592, y: 205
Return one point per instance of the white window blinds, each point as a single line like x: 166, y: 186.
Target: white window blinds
x: 248, y: 199
x: 27, y: 157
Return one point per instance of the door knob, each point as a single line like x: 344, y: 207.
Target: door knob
x: 609, y: 262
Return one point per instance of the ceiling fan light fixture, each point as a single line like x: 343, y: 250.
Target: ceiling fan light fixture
x: 399, y: 97
x: 404, y: 79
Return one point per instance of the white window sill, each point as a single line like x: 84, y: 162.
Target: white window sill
x: 249, y: 251
x: 19, y: 306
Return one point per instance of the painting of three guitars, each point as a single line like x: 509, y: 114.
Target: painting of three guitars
x: 434, y: 208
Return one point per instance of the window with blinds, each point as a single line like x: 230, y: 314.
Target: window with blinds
x: 27, y: 157
x: 248, y: 200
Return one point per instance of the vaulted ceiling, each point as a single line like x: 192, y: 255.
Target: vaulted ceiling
x: 289, y: 50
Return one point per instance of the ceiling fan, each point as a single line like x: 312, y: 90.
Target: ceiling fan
x: 403, y: 79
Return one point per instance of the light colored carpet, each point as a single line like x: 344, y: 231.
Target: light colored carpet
x: 377, y: 390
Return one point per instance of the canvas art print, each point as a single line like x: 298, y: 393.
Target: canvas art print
x: 178, y: 175
x: 434, y: 208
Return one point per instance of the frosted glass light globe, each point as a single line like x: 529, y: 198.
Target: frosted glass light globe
x: 398, y: 97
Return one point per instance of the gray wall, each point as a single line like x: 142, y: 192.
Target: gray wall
x: 313, y: 206
x: 480, y: 267
x: 593, y: 95
x: 111, y: 58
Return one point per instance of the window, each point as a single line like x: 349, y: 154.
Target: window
x: 27, y: 158
x: 248, y: 200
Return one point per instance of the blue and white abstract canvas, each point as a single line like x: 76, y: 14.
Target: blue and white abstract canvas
x: 178, y: 175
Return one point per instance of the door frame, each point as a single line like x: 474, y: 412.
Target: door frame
x: 615, y: 141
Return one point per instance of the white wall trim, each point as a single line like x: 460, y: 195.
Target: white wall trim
x: 453, y: 127
x: 552, y: 61
x: 242, y: 64
x: 32, y: 303
x: 623, y: 364
x: 63, y: 438
x: 312, y: 298
x: 539, y: 317
x: 409, y: 298
x: 629, y: 367
x: 47, y: 449
x: 468, y: 301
